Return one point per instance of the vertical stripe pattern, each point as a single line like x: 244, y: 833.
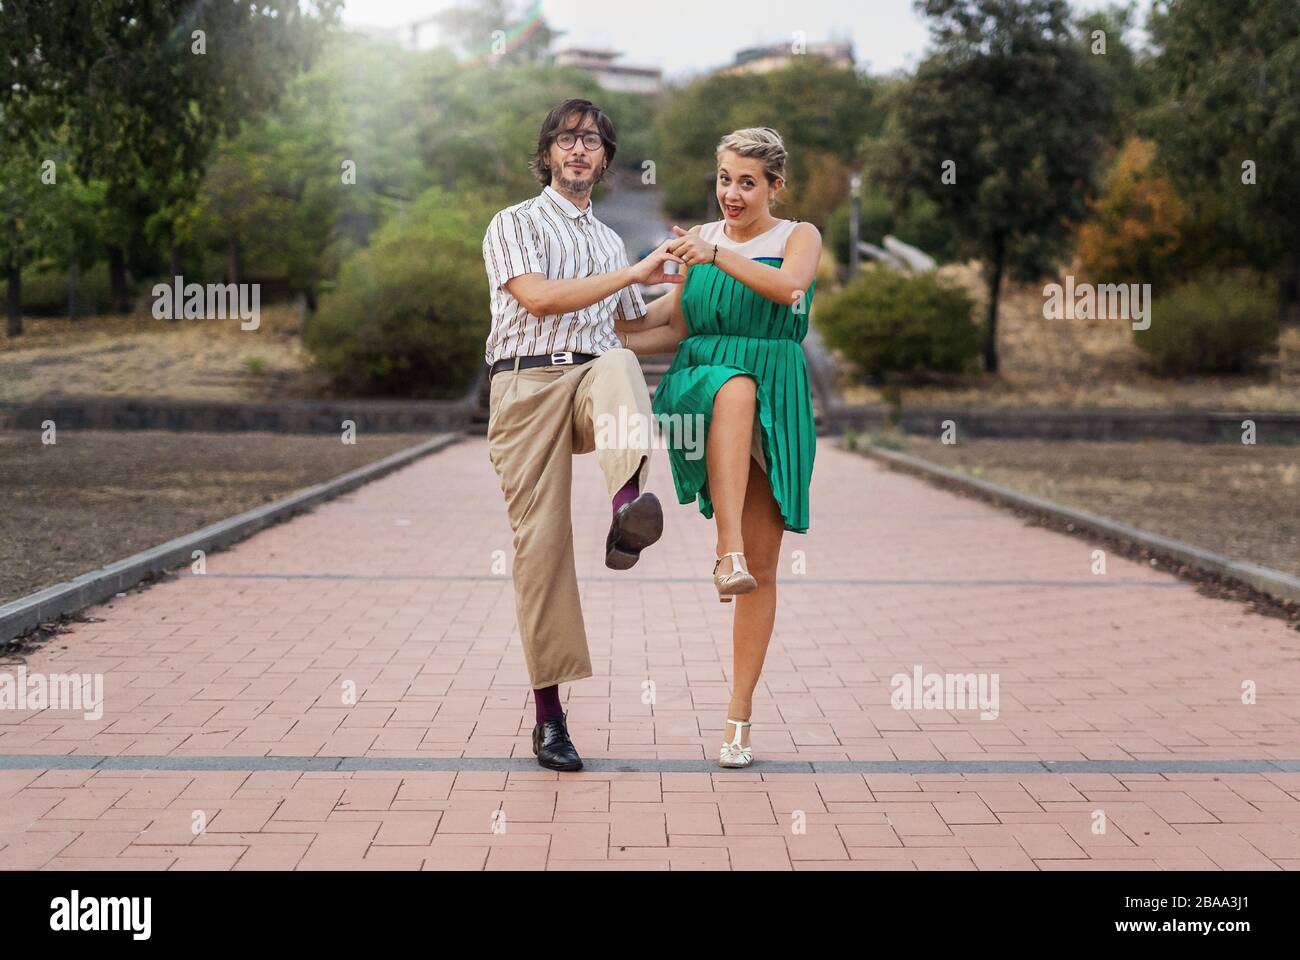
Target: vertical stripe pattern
x: 733, y: 331
x: 549, y: 235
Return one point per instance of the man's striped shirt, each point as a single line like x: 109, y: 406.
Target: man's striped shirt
x: 551, y: 236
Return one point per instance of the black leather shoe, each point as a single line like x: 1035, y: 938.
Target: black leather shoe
x: 635, y: 526
x: 553, y: 747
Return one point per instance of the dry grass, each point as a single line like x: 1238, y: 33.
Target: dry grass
x: 1232, y: 498
x: 1085, y: 363
x: 138, y: 356
x: 1065, y: 363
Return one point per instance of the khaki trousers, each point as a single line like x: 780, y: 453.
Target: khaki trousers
x: 538, y: 419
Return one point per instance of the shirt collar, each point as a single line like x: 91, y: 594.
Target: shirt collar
x: 567, y: 206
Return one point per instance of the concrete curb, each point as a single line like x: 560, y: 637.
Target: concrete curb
x: 1275, y: 583
x: 1098, y: 425
x: 26, y: 613
x: 227, y: 416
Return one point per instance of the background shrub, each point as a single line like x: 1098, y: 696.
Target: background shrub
x: 408, y: 315
x: 1217, y: 323
x: 918, y: 223
x: 884, y: 322
x: 45, y: 290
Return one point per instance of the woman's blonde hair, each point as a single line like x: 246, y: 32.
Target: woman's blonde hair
x: 759, y: 143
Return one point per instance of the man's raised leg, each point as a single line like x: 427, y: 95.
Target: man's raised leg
x: 612, y: 416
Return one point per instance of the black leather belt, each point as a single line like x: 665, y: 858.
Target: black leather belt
x: 562, y: 358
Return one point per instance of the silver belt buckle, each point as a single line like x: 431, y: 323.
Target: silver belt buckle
x: 562, y: 358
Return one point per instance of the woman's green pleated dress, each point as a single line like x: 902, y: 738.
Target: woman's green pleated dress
x: 733, y: 331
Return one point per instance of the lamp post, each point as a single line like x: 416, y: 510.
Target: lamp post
x: 855, y: 219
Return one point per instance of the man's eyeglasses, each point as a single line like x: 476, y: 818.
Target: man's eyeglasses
x: 592, y: 141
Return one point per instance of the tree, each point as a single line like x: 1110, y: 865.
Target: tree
x: 1124, y: 68
x: 1000, y: 127
x: 25, y: 221
x: 495, y: 31
x: 480, y: 126
x: 822, y: 112
x: 146, y: 87
x: 1135, y: 234
x: 1229, y: 127
x: 45, y: 211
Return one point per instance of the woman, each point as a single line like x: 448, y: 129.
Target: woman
x: 737, y: 323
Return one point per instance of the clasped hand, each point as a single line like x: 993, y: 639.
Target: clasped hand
x: 690, y: 246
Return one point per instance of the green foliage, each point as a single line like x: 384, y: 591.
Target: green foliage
x: 1126, y: 77
x: 821, y: 111
x: 890, y: 438
x: 1013, y: 106
x: 1229, y: 75
x: 884, y: 322
x: 145, y: 88
x: 45, y: 290
x: 409, y: 314
x: 478, y: 126
x: 633, y: 116
x: 47, y: 213
x: 917, y: 223
x: 1219, y: 323
x: 471, y: 29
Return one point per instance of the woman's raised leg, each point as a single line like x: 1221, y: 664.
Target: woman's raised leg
x: 727, y: 456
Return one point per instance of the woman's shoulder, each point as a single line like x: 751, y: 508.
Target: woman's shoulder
x: 711, y: 231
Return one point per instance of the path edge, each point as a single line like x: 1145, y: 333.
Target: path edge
x: 21, y: 616
x: 1275, y: 583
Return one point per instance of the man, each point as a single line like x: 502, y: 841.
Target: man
x: 559, y: 278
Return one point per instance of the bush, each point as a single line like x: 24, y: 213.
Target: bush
x: 885, y: 322
x: 1218, y: 323
x: 918, y: 224
x: 408, y: 315
x: 45, y: 290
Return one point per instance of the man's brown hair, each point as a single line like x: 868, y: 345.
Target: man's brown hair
x: 553, y: 125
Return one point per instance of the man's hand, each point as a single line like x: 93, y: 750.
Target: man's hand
x: 651, y: 270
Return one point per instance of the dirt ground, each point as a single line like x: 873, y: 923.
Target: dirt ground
x: 1243, y: 501
x: 1086, y: 364
x: 95, y: 497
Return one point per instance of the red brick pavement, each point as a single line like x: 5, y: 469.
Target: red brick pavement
x: 401, y: 591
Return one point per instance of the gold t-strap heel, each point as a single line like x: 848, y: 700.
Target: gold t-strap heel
x: 735, y: 583
x: 733, y: 754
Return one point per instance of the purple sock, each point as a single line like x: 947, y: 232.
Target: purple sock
x: 626, y: 494
x: 547, y: 701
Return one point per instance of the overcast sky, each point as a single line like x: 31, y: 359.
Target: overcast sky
x: 687, y: 36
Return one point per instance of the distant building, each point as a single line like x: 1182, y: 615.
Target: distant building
x: 776, y: 56
x: 610, y: 75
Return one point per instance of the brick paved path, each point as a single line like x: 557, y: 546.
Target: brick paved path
x: 225, y: 702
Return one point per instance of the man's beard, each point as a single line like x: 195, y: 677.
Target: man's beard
x: 577, y: 186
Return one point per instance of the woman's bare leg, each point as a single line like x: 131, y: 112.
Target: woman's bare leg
x: 727, y: 455
x: 762, y: 527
